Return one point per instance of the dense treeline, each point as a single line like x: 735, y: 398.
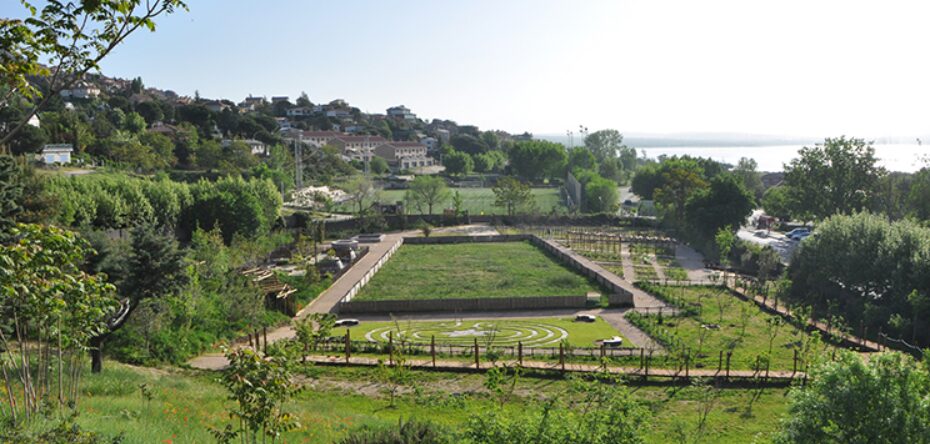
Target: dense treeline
x: 870, y: 271
x: 236, y: 206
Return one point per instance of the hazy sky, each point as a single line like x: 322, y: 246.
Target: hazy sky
x: 815, y: 68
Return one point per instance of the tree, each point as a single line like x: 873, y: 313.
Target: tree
x: 458, y: 163
x: 745, y: 170
x: 581, y: 157
x: 134, y: 123
x: 724, y: 240
x: 150, y: 111
x: 362, y: 192
x: 601, y: 195
x: 511, y: 194
x: 604, y: 144
x: 47, y: 301
x: 536, y: 160
x: 468, y: 144
x: 29, y: 140
x: 725, y: 204
x: 260, y: 386
x: 378, y: 165
x: 839, y: 176
x: 778, y: 202
x: 680, y: 178
x: 918, y: 197
x: 10, y: 192
x: 428, y: 191
x: 848, y: 400
x: 155, y: 268
x: 63, y: 41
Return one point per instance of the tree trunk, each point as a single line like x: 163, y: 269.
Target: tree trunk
x: 96, y: 354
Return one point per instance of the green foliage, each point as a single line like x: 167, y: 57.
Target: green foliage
x: 864, y: 267
x: 595, y: 413
x: 458, y: 163
x: 839, y: 176
x: 605, y: 144
x: 600, y: 194
x: 513, y: 195
x: 65, y: 431
x: 412, y: 431
x: 47, y: 299
x: 581, y: 157
x: 378, y: 165
x: 778, y: 201
x: 886, y: 399
x: 536, y: 160
x: 260, y: 386
x: 751, y: 179
x: 725, y: 204
x: 425, y: 192
x: 10, y: 192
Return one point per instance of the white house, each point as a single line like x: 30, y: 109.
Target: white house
x: 56, y: 153
x: 357, y: 147
x: 81, y: 90
x: 257, y: 147
x: 401, y: 112
x: 404, y: 155
x: 299, y: 111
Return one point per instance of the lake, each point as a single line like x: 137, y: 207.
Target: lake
x: 897, y: 157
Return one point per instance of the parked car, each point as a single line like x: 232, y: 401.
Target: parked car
x: 615, y: 341
x: 798, y: 233
x: 347, y: 322
x: 585, y: 318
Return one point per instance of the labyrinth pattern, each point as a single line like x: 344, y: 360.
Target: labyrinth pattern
x: 510, y: 332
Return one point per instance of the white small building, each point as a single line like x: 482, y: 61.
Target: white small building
x: 81, y: 90
x: 401, y: 112
x: 59, y: 153
x: 299, y: 111
x: 256, y: 147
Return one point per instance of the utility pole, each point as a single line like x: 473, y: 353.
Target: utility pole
x: 299, y: 162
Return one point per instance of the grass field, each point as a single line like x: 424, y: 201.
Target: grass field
x: 486, y: 270
x: 185, y: 404
x: 479, y: 200
x: 545, y: 332
x: 724, y: 322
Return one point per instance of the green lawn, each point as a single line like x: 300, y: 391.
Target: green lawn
x: 545, y: 332
x: 184, y: 405
x: 480, y: 270
x: 742, y: 328
x: 479, y: 200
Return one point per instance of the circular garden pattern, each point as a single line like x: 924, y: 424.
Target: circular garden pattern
x: 510, y: 332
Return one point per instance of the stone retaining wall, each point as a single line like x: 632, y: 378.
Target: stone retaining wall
x: 464, y: 305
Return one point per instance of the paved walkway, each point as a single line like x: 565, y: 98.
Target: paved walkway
x: 629, y: 273
x: 692, y: 262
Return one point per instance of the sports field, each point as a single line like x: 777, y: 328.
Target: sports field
x: 478, y: 200
x: 543, y: 332
x: 485, y: 270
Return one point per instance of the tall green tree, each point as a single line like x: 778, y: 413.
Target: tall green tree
x: 427, y: 192
x: 747, y: 171
x: 848, y: 400
x: 155, y: 268
x: 536, y: 160
x: 839, y: 176
x: 724, y: 204
x: 511, y: 194
x: 458, y: 163
x: 604, y: 144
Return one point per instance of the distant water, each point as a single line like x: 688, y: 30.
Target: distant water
x: 897, y: 157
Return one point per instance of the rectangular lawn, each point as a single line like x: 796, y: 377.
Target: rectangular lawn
x: 479, y: 270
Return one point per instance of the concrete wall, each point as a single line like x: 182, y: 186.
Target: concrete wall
x: 464, y: 305
x: 618, y: 294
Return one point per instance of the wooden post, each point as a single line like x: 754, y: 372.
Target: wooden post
x: 390, y: 348
x: 520, y: 352
x: 432, y: 349
x: 562, y: 356
x: 687, y: 363
x: 794, y: 364
x: 720, y: 362
x: 265, y: 335
x: 477, y: 360
x: 729, y: 354
x: 348, y: 345
x: 642, y: 358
